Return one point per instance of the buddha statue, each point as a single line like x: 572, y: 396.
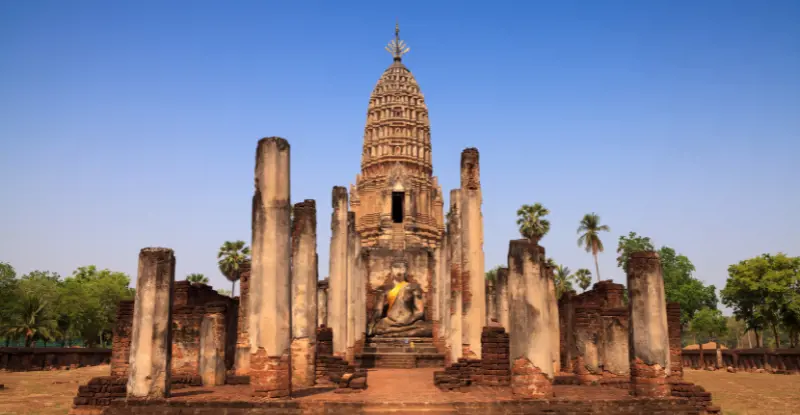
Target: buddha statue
x: 400, y: 308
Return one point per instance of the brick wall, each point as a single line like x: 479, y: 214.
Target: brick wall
x: 674, y: 329
x: 121, y: 341
x: 781, y: 361
x: 329, y: 369
x: 100, y: 391
x: 493, y: 370
x: 43, y: 358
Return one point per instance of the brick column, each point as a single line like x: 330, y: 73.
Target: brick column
x: 675, y: 349
x: 212, y: 344
x: 242, y: 358
x: 304, y: 293
x: 337, y: 293
x: 649, y: 338
x: 501, y: 297
x: 121, y: 342
x: 530, y: 351
x: 270, y: 280
x: 456, y: 335
x: 473, y: 272
x: 566, y: 317
x: 552, y: 300
x: 149, y: 369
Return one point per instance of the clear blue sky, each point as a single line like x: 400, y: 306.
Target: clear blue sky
x: 126, y: 125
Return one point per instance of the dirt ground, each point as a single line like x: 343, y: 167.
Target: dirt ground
x: 750, y: 393
x: 44, y: 392
x: 51, y: 392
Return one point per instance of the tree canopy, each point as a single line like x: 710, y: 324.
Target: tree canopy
x: 764, y: 292
x: 531, y: 222
x: 589, y: 231
x: 563, y: 280
x: 584, y: 278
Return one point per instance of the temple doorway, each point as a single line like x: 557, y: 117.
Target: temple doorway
x: 397, y: 206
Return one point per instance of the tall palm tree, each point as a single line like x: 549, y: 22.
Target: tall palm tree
x: 563, y: 280
x: 33, y: 321
x: 198, y: 278
x: 584, y: 278
x: 531, y: 222
x: 232, y: 255
x: 590, y: 229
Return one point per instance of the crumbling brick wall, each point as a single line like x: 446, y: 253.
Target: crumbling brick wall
x: 780, y: 361
x: 494, y: 369
x: 23, y: 359
x: 674, y: 329
x: 99, y: 392
x: 121, y: 341
x: 329, y: 368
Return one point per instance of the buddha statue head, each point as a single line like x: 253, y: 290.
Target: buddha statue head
x: 399, y: 270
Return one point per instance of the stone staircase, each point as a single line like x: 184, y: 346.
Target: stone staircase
x: 400, y: 353
x: 398, y: 237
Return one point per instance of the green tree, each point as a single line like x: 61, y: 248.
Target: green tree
x: 531, y: 222
x: 103, y: 290
x: 711, y: 324
x: 563, y: 280
x: 630, y: 244
x: 8, y: 298
x: 681, y: 287
x: 32, y: 321
x: 224, y: 292
x: 584, y: 278
x: 232, y: 256
x: 760, y: 290
x: 589, y: 231
x: 197, y: 278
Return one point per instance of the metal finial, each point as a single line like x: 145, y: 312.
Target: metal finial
x: 397, y: 47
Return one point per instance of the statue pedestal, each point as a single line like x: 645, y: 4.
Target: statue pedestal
x: 399, y: 353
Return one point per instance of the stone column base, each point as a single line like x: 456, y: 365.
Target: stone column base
x: 649, y: 380
x: 269, y: 375
x: 303, y: 362
x: 529, y: 381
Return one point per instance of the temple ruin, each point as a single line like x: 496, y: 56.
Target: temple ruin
x: 406, y: 290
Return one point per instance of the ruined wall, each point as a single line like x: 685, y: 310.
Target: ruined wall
x: 779, y: 361
x: 22, y: 359
x: 121, y: 341
x: 674, y: 329
x: 491, y: 370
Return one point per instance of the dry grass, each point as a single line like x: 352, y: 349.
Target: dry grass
x: 750, y: 393
x: 44, y: 392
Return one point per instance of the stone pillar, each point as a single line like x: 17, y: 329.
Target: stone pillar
x: 501, y: 297
x: 491, y: 301
x: 304, y: 293
x: 530, y: 351
x: 649, y: 339
x: 322, y: 303
x: 242, y: 357
x: 555, y: 336
x: 269, y: 313
x: 442, y: 287
x: 151, y: 349
x: 566, y: 317
x: 356, y: 304
x: 456, y: 335
x: 337, y: 293
x: 473, y: 272
x: 212, y: 344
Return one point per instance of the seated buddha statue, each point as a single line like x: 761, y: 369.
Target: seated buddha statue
x: 400, y: 308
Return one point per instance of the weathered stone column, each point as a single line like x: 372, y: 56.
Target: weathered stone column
x: 212, y: 344
x: 491, y: 301
x: 649, y: 339
x: 501, y: 297
x: 356, y: 294
x: 304, y: 293
x: 529, y: 311
x: 456, y: 335
x: 151, y: 340
x: 337, y: 293
x: 242, y: 357
x: 442, y: 289
x: 555, y: 335
x: 473, y: 273
x: 322, y: 303
x: 566, y: 317
x: 269, y: 313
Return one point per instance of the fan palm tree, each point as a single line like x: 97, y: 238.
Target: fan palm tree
x: 531, y: 222
x: 590, y: 229
x: 563, y: 280
x: 231, y: 256
x: 584, y: 278
x: 33, y: 322
x: 197, y: 278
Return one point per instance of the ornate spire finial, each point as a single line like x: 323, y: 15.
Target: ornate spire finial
x: 397, y: 47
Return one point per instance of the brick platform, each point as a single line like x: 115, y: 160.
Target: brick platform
x: 400, y: 353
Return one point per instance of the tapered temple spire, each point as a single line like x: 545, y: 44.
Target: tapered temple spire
x: 397, y: 47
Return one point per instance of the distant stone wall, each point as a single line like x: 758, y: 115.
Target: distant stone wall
x: 21, y: 359
x: 782, y: 361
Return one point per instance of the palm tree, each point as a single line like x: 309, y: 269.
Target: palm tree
x: 232, y: 256
x: 590, y: 229
x: 197, y: 278
x: 563, y: 280
x: 33, y: 322
x: 584, y: 278
x: 530, y: 220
